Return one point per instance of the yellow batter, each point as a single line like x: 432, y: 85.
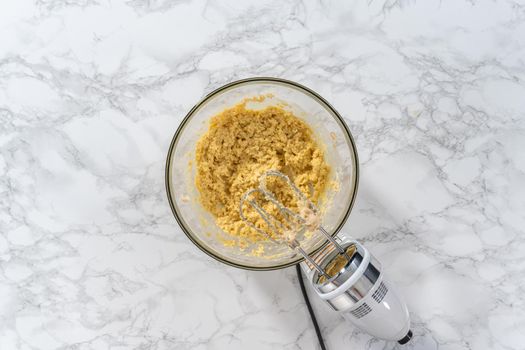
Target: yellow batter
x: 243, y: 143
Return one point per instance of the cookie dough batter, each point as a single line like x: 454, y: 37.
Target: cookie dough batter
x: 243, y: 143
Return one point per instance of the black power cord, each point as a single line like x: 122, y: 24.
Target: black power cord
x: 310, y: 309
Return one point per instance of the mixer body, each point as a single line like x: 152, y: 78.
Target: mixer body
x: 362, y: 295
x: 386, y: 319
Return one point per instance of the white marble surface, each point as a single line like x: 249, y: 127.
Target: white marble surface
x: 91, y: 93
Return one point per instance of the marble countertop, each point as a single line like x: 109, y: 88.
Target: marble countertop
x: 91, y: 93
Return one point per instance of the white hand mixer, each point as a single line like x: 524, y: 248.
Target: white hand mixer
x: 345, y: 275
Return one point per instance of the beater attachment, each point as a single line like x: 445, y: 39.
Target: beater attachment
x: 290, y: 224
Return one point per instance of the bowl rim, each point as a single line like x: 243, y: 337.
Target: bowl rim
x: 187, y: 117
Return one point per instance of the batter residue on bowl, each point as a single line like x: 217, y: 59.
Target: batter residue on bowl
x: 243, y: 143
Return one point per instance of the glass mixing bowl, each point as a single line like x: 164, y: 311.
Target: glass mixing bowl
x: 329, y: 129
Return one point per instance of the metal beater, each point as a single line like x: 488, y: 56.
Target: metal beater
x: 285, y: 231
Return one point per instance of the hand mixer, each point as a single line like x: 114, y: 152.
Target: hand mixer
x: 345, y: 275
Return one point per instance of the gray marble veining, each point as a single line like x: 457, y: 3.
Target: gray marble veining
x: 91, y: 93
